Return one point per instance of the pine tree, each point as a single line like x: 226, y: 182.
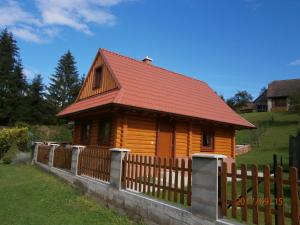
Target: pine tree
x: 65, y: 82
x: 12, y: 80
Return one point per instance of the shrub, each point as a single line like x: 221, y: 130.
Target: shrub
x: 10, y: 154
x: 19, y: 136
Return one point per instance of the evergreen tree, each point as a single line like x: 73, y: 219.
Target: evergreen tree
x: 39, y: 110
x: 65, y: 83
x: 12, y: 80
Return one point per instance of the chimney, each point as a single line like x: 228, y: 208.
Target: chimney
x: 147, y: 60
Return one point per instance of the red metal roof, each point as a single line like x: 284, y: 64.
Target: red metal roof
x: 150, y: 87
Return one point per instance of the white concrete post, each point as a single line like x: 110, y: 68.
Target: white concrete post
x: 35, y: 151
x: 204, y: 202
x: 51, y: 154
x: 117, y: 155
x: 75, y: 155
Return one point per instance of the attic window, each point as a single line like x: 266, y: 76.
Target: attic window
x: 97, y: 77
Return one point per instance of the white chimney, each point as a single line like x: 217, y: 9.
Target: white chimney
x: 147, y: 60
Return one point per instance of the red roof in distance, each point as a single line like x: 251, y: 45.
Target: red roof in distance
x: 147, y: 86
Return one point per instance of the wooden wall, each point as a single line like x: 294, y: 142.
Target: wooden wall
x: 138, y: 134
x: 94, y: 133
x: 108, y: 83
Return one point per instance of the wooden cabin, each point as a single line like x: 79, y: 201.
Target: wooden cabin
x: 133, y: 104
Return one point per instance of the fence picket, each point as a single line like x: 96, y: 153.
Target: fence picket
x: 145, y: 174
x: 267, y: 196
x: 189, y: 185
x: 164, y: 178
x: 255, y: 194
x: 140, y: 173
x: 293, y: 178
x: 158, y: 178
x: 176, y: 181
x: 279, y: 200
x: 244, y: 192
x: 149, y: 175
x: 182, y: 181
x: 170, y: 179
x: 154, y: 175
x: 224, y: 189
x: 233, y: 190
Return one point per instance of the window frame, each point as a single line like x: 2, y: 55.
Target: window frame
x: 208, y: 148
x: 85, y: 140
x: 100, y: 122
x: 98, y: 77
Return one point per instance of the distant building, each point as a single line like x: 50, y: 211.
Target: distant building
x: 248, y: 108
x: 276, y: 97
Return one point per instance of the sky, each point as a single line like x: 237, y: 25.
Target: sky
x: 232, y: 45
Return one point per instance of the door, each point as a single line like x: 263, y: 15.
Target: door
x: 165, y: 140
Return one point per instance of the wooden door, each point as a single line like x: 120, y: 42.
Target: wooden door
x: 165, y: 140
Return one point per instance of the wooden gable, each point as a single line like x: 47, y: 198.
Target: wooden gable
x: 107, y: 81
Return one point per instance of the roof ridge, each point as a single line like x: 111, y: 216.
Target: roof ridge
x: 158, y: 67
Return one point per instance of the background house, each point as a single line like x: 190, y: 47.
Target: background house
x: 276, y: 97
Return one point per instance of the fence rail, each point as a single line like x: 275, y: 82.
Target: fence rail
x: 43, y: 154
x: 261, y: 196
x: 63, y: 157
x: 95, y: 163
x: 163, y: 178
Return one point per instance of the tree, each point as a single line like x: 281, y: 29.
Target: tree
x: 65, y: 83
x: 39, y: 110
x: 240, y: 99
x: 12, y: 80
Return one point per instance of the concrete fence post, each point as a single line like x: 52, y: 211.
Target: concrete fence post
x: 117, y: 155
x: 35, y: 151
x: 51, y: 154
x: 204, y: 202
x: 76, y: 149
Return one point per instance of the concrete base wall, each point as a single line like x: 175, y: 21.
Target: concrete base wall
x: 136, y: 206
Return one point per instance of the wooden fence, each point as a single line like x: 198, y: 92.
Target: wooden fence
x: 95, y: 163
x: 43, y: 154
x: 166, y: 179
x: 261, y: 196
x: 63, y: 157
x: 294, y: 151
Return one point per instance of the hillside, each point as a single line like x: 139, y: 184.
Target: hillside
x: 270, y: 137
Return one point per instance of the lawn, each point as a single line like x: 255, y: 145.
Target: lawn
x: 30, y: 196
x: 270, y: 137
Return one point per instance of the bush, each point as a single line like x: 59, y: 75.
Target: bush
x: 11, y: 153
x: 60, y: 133
x: 17, y: 136
x: 7, y: 160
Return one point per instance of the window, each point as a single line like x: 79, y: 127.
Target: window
x: 104, y: 131
x: 85, y: 133
x: 207, y: 140
x: 97, y: 77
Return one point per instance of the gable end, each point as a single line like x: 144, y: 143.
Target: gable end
x: 107, y: 83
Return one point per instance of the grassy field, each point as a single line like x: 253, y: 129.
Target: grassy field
x: 270, y: 137
x: 30, y: 196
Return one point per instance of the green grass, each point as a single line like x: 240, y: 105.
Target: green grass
x: 270, y: 137
x: 30, y: 196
